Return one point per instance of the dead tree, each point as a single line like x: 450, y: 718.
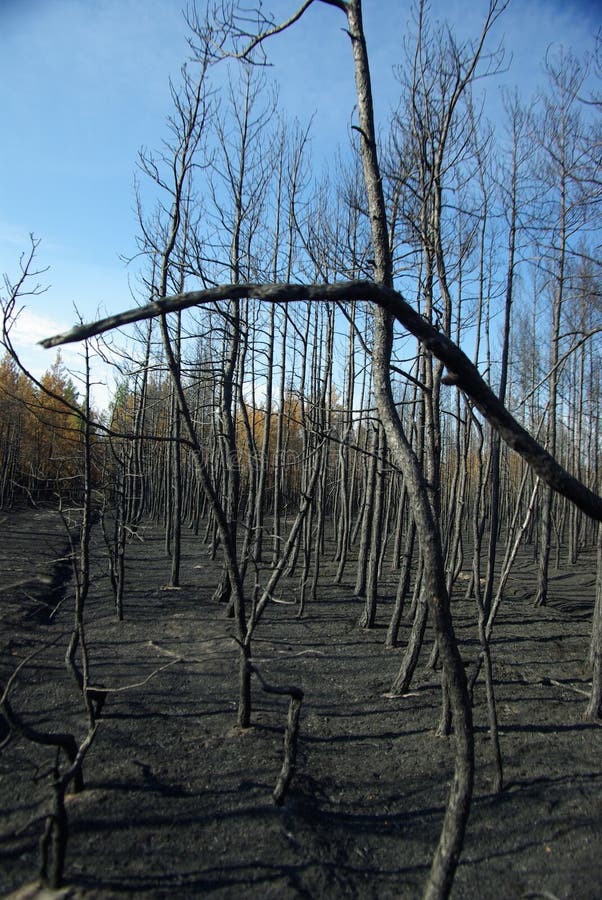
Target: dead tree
x: 461, y: 372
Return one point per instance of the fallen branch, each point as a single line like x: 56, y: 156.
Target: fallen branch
x: 136, y: 684
x: 461, y: 372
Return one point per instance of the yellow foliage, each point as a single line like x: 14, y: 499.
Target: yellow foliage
x: 41, y: 438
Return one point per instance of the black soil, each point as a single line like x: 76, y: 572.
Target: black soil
x: 178, y: 799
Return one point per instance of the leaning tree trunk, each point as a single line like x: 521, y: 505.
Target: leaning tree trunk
x: 451, y: 840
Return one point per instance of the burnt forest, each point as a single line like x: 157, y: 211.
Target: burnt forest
x: 313, y: 607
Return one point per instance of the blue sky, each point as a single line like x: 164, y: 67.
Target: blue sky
x: 84, y: 84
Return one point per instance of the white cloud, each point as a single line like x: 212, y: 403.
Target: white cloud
x: 31, y: 326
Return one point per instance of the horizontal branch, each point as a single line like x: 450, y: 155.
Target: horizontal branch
x: 461, y: 372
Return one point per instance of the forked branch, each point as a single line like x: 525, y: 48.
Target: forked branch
x: 270, y: 30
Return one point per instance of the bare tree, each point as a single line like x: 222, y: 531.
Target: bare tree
x: 461, y: 372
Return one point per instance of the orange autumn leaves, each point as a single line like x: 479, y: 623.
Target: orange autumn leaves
x: 41, y: 438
